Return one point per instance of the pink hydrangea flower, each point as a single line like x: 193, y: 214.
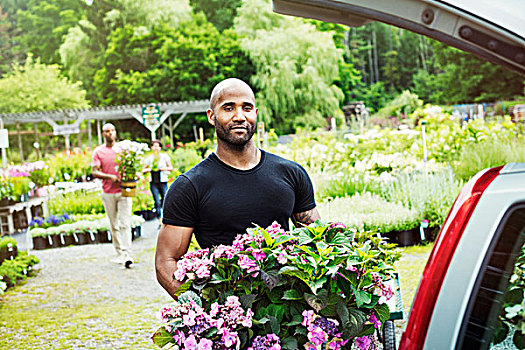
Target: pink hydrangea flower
x: 190, y: 343
x: 336, y: 344
x: 281, y: 258
x: 310, y: 346
x: 266, y: 342
x: 337, y: 225
x: 258, y: 254
x: 248, y: 264
x: 229, y: 338
x: 205, y: 344
x: 373, y: 319
x: 225, y: 251
x: 317, y: 336
x: 275, y: 229
x: 363, y: 342
x: 308, y: 317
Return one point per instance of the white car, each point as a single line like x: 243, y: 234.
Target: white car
x: 465, y: 282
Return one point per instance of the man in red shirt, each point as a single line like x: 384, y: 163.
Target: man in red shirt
x: 118, y: 208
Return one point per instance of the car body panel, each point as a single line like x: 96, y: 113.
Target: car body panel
x: 506, y: 190
x: 491, y: 30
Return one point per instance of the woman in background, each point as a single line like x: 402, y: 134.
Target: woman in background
x: 159, y: 166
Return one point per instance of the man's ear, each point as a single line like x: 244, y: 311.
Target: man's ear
x: 210, y: 114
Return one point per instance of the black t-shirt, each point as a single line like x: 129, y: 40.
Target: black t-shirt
x: 219, y: 201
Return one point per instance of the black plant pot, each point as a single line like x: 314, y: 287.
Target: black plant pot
x: 103, y: 236
x: 40, y: 243
x: 8, y: 253
x: 150, y: 215
x: 136, y: 232
x: 93, y: 237
x: 83, y: 238
x: 405, y: 238
x: 54, y: 241
x: 68, y: 240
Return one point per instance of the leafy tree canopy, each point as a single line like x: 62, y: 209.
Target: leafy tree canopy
x: 463, y: 78
x: 44, y: 23
x: 297, y: 67
x: 38, y: 87
x: 219, y: 12
x: 168, y: 64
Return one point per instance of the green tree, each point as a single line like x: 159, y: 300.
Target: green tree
x: 38, y: 87
x: 463, y: 78
x: 219, y: 12
x: 297, y: 67
x: 83, y: 49
x: 167, y: 64
x: 8, y: 52
x: 349, y: 76
x: 44, y: 23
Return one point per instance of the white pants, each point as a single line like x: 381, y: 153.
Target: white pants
x: 118, y: 209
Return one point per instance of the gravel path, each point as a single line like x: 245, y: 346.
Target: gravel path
x: 80, y: 300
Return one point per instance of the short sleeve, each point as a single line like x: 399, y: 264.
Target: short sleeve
x: 304, y: 191
x: 180, y: 205
x: 95, y: 160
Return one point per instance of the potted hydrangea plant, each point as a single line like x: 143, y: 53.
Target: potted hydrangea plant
x: 317, y: 287
x: 129, y: 162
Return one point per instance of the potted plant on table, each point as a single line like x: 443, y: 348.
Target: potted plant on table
x: 39, y: 174
x: 129, y: 162
x: 6, y: 191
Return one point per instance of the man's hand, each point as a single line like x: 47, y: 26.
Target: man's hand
x: 306, y: 218
x: 172, y: 243
x: 97, y: 172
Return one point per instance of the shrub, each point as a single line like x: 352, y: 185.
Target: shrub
x: 7, y: 241
x: 78, y: 202
x: 13, y: 271
x: 431, y: 196
x: 184, y: 158
x: 370, y: 212
x: 487, y: 154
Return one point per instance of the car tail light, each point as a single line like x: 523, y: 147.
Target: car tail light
x: 439, y: 260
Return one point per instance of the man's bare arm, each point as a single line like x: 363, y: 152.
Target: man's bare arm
x: 306, y: 217
x: 172, y: 243
x: 96, y: 171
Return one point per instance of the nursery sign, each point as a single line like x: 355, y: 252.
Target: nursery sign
x: 67, y: 129
x: 151, y: 116
x: 4, y: 138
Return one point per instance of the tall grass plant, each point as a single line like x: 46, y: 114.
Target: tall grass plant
x: 430, y: 195
x: 488, y: 154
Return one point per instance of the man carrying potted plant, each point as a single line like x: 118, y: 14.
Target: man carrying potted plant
x: 159, y: 166
x: 234, y: 188
x: 118, y: 208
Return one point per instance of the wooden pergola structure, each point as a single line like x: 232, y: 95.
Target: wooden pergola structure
x: 66, y: 122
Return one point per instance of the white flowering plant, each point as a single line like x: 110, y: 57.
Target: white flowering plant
x: 316, y: 287
x: 129, y: 159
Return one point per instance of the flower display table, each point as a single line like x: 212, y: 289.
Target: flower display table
x: 18, y: 216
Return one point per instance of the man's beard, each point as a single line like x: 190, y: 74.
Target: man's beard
x: 226, y: 135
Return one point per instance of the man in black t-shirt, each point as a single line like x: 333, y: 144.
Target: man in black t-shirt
x: 237, y: 187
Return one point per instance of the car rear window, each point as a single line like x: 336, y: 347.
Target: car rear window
x: 495, y: 317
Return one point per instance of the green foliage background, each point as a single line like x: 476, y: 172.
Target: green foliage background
x: 303, y: 71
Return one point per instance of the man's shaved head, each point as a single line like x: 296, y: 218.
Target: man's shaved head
x: 108, y: 126
x: 227, y: 84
